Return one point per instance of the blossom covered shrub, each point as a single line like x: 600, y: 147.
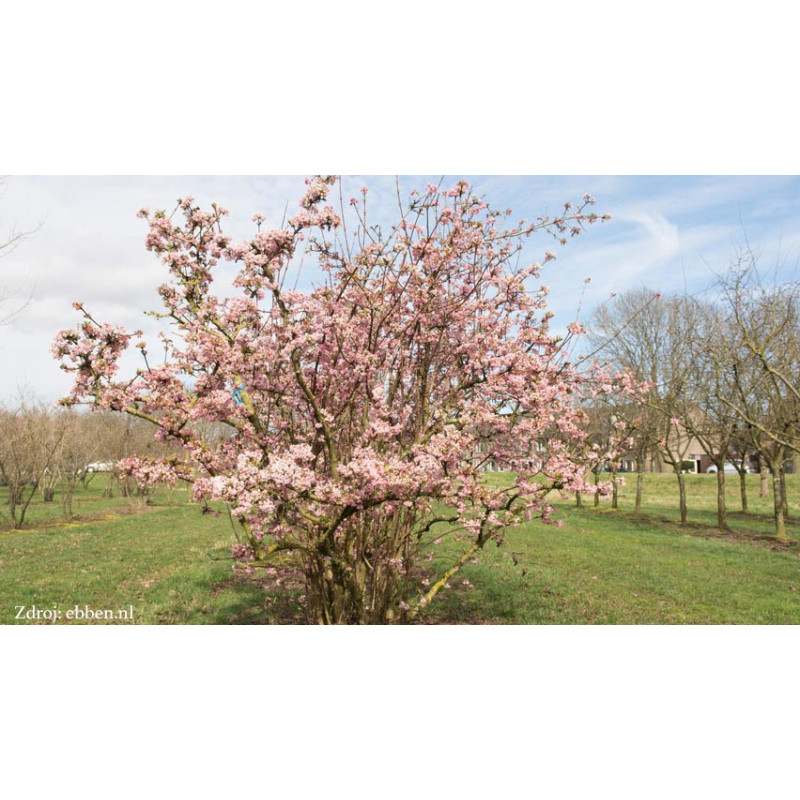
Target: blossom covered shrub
x: 363, y: 414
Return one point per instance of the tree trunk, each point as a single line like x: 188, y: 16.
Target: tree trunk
x: 784, y: 495
x: 14, y: 499
x: 722, y: 512
x: 68, y: 490
x: 18, y: 510
x: 639, y: 487
x: 578, y: 500
x: 614, y: 491
x: 743, y: 490
x: 596, y: 495
x: 780, y: 520
x: 763, y: 489
x: 682, y: 496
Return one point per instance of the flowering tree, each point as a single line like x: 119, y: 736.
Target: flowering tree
x: 363, y: 413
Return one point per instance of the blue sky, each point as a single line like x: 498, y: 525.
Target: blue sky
x: 667, y: 233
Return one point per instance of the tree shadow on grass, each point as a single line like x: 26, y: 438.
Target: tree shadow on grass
x: 740, y: 535
x: 248, y: 600
x: 225, y: 599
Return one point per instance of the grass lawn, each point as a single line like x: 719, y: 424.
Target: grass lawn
x: 168, y: 561
x: 171, y: 564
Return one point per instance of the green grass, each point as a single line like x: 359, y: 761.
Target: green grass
x: 610, y: 568
x: 615, y: 567
x: 661, y: 498
x: 168, y: 561
x: 171, y: 563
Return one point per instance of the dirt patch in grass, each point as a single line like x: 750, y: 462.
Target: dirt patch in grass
x: 756, y: 538
x: 762, y: 518
x: 77, y: 520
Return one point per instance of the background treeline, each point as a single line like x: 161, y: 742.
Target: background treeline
x: 723, y: 368
x: 724, y: 373
x: 47, y: 452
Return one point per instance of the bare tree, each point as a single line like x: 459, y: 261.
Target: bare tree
x: 716, y: 426
x: 28, y: 449
x: 610, y: 420
x: 79, y: 447
x: 764, y: 354
x: 643, y: 332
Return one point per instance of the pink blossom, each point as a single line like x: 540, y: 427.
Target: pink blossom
x: 336, y: 422
x: 576, y: 328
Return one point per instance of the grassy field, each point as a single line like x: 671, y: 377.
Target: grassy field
x: 168, y: 563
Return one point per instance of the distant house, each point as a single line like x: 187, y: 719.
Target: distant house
x: 482, y: 456
x: 101, y: 466
x: 694, y: 458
